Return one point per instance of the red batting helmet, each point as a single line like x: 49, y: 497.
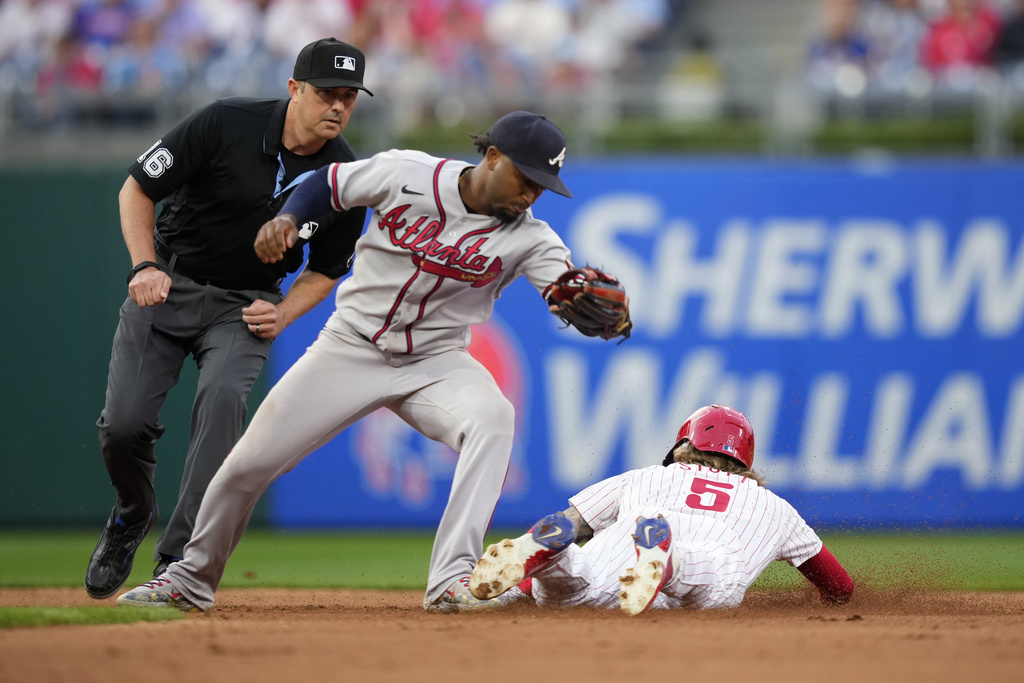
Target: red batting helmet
x: 718, y: 429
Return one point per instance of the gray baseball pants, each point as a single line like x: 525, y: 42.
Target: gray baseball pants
x: 149, y: 349
x: 342, y: 377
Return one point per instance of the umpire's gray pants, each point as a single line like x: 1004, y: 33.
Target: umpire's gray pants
x: 149, y: 350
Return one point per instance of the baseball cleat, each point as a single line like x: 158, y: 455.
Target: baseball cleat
x: 457, y: 598
x: 111, y: 561
x: 159, y: 592
x: 654, y: 565
x: 164, y: 562
x: 515, y: 596
x: 506, y: 563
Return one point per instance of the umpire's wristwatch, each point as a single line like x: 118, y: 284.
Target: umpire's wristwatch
x: 141, y: 266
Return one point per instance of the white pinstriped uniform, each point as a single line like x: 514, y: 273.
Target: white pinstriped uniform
x: 725, y: 529
x: 425, y: 270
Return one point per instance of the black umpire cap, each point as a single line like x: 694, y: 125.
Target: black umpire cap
x: 330, y: 63
x: 535, y: 145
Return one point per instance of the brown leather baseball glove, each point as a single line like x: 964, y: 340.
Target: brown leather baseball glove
x: 592, y: 301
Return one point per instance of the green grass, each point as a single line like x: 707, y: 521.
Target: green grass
x: 936, y: 560
x: 263, y: 558
x: 33, y: 558
x: 979, y: 561
x: 20, y: 617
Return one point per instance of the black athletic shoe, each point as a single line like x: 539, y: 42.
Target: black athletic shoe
x: 165, y: 562
x: 111, y: 562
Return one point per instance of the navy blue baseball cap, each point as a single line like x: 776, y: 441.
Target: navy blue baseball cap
x: 330, y: 63
x: 535, y: 145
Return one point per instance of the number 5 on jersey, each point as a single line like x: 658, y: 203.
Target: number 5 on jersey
x: 702, y: 488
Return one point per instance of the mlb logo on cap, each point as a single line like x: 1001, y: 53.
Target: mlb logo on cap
x: 320, y: 62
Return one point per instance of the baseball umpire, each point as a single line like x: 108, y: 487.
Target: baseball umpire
x: 197, y: 287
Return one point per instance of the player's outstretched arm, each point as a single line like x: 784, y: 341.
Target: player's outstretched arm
x: 835, y: 587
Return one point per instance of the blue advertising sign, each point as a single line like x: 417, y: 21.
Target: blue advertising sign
x: 866, y: 318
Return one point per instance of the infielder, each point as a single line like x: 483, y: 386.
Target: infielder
x: 197, y: 288
x: 695, y: 531
x: 445, y: 239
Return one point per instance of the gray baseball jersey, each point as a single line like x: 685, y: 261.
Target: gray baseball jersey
x: 426, y: 269
x: 725, y: 529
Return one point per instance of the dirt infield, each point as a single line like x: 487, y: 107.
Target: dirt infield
x: 334, y: 635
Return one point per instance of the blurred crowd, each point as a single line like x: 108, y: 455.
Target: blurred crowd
x: 916, y: 48
x: 60, y: 59
x: 63, y: 62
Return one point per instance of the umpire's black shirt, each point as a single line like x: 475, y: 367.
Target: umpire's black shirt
x: 223, y: 172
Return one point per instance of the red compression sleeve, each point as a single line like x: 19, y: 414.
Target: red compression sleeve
x: 823, y: 570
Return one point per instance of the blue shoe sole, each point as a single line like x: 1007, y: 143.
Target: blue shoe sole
x: 651, y: 531
x: 554, y: 532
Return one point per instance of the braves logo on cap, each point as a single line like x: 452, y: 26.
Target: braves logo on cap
x: 528, y: 140
x: 343, y: 62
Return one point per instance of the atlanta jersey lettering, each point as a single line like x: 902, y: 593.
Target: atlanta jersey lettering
x: 427, y: 268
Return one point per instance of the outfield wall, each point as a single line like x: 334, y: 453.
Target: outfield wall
x: 866, y: 316
x: 66, y: 263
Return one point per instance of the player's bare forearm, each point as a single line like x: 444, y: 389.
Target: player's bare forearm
x: 265, y: 320
x: 149, y: 286
x: 138, y: 219
x: 308, y: 290
x: 276, y: 237
x: 583, y: 530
